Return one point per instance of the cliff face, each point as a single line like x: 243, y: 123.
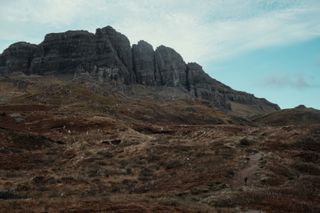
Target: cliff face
x: 171, y: 67
x: 108, y: 55
x: 144, y: 64
x: 62, y: 52
x: 17, y: 57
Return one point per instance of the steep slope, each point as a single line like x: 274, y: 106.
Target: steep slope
x: 108, y: 57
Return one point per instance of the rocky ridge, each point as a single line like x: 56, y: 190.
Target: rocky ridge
x: 108, y: 56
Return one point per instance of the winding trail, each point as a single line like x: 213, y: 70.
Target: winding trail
x: 247, y: 172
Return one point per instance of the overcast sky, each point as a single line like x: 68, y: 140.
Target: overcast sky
x: 267, y: 47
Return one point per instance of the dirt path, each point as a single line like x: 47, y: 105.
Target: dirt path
x: 247, y: 172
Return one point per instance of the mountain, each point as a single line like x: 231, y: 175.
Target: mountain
x: 108, y: 58
x: 89, y: 123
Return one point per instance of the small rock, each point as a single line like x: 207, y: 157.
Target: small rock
x: 17, y: 117
x: 38, y: 180
x: 246, y: 142
x: 7, y: 195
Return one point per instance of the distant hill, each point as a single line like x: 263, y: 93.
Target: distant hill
x: 300, y: 115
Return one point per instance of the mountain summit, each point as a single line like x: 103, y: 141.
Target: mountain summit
x: 107, y: 56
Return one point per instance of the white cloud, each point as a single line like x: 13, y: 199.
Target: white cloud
x: 204, y: 30
x: 299, y: 82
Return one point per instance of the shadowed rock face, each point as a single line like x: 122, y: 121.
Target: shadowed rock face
x: 121, y: 53
x: 201, y: 85
x: 171, y: 67
x: 107, y: 56
x: 121, y: 45
x: 107, y: 62
x: 144, y: 63
x: 17, y: 57
x: 63, y: 52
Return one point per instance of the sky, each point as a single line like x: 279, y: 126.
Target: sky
x: 270, y: 48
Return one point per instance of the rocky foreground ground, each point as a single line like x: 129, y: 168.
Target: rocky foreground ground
x: 65, y: 146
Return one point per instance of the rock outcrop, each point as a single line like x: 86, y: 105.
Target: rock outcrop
x: 107, y: 56
x: 171, y: 67
x: 107, y: 61
x: 201, y: 85
x: 121, y: 52
x: 63, y: 52
x: 17, y: 57
x: 144, y: 64
x: 121, y: 45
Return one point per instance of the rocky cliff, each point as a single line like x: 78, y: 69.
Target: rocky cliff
x: 108, y: 55
x: 144, y: 64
